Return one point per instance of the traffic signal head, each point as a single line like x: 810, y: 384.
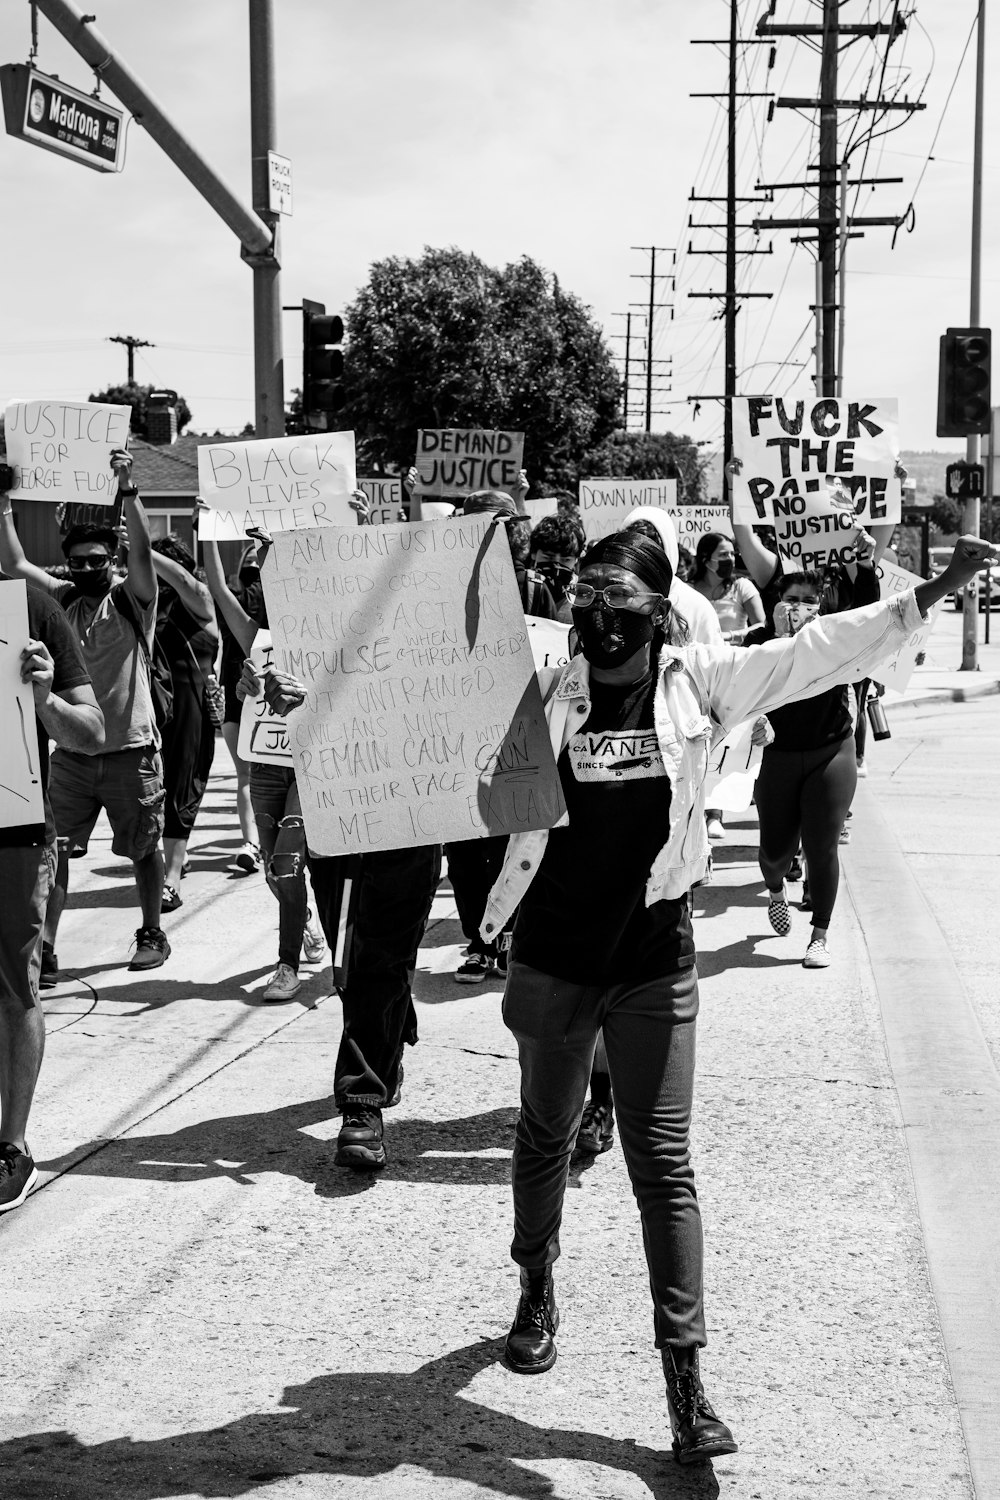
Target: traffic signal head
x: 322, y: 364
x: 964, y: 382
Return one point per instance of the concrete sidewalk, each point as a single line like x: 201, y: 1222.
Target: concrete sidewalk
x: 200, y: 1303
x: 940, y: 679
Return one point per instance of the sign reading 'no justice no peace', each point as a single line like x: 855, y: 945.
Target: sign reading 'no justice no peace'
x: 423, y: 721
x: 796, y: 454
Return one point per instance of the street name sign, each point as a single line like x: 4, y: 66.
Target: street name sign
x: 49, y: 114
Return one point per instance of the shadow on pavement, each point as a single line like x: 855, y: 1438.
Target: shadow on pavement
x: 152, y: 990
x: 359, y: 1425
x: 240, y: 1147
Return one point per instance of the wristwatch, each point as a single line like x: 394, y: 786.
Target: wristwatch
x: 128, y: 491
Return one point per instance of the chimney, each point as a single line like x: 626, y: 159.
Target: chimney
x: 161, y: 418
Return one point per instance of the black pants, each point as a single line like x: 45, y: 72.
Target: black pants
x: 806, y: 794
x: 392, y: 899
x: 473, y: 867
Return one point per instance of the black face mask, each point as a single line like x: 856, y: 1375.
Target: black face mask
x: 725, y: 569
x: 609, y: 637
x: 93, y: 583
x: 558, y: 579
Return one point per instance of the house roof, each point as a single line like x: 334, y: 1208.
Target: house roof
x: 170, y: 468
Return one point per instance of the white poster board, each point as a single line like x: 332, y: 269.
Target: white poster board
x: 536, y: 509
x: 896, y: 670
x: 263, y: 733
x: 789, y: 450
x: 21, y: 804
x: 385, y: 497
x: 61, y: 450
x: 692, y: 522
x: 423, y: 721
x: 453, y: 462
x: 549, y: 642
x: 732, y: 770
x: 605, y: 504
x: 276, y: 484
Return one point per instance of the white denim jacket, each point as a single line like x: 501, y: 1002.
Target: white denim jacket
x: 702, y: 693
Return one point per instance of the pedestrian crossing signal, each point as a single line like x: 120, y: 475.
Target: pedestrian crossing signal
x: 964, y: 382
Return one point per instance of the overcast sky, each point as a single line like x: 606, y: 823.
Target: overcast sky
x: 559, y: 129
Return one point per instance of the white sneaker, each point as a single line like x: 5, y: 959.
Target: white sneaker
x: 285, y: 984
x: 248, y: 860
x: 715, y: 830
x: 313, y: 941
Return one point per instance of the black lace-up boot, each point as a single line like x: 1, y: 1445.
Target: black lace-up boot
x: 698, y: 1432
x: 531, y: 1347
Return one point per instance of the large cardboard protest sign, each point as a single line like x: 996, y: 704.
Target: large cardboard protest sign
x: 692, y: 522
x: 605, y: 504
x: 896, y: 670
x: 20, y: 776
x: 452, y: 462
x: 61, y: 450
x: 263, y: 733
x: 385, y: 496
x: 276, y: 484
x: 423, y: 721
x: 793, y: 451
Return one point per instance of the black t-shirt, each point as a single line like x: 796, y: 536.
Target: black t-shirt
x: 47, y: 623
x: 584, y: 917
x: 814, y: 723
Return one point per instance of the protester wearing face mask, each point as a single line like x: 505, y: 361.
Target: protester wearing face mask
x: 603, y: 934
x: 556, y: 544
x: 113, y: 620
x: 809, y: 773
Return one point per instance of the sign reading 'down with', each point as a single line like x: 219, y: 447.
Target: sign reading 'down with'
x: 61, y: 450
x: 605, y: 504
x: 276, y: 484
x: 790, y: 450
x: 423, y: 722
x: 453, y: 461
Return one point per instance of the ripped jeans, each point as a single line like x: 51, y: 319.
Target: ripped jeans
x: 281, y: 835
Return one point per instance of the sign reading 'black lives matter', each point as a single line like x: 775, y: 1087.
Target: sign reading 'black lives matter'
x: 423, y: 722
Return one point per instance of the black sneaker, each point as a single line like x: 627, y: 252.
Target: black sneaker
x: 18, y: 1176
x: 597, y: 1129
x: 359, y: 1144
x: 151, y: 948
x: 475, y: 969
x: 48, y: 976
x: 794, y: 869
x: 171, y: 899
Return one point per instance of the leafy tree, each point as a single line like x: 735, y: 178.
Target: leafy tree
x: 448, y: 341
x: 137, y: 396
x: 651, y: 455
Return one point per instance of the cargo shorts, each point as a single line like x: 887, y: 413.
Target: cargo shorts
x: 126, y: 784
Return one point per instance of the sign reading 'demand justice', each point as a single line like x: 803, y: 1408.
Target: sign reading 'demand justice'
x: 49, y: 114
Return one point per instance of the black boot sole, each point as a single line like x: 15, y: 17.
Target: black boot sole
x: 700, y: 1455
x: 361, y: 1158
x: 537, y: 1368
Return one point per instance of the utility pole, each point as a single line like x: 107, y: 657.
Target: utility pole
x: 970, y: 604
x: 626, y: 379
x: 651, y: 308
x: 132, y: 344
x: 831, y: 224
x: 269, y: 372
x: 730, y: 301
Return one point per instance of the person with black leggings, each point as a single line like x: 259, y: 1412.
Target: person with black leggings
x: 809, y: 773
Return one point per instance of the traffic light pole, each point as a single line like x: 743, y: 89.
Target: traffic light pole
x: 257, y: 237
x: 269, y: 374
x: 970, y: 604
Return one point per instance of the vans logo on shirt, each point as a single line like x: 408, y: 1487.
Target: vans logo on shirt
x: 616, y: 755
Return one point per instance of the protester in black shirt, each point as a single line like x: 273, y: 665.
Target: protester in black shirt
x: 67, y: 711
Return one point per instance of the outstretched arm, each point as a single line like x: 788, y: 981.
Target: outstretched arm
x: 232, y: 611
x: 759, y: 561
x: 12, y: 558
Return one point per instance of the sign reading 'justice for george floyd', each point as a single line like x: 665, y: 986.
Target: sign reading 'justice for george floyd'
x: 423, y: 722
x: 61, y: 450
x: 791, y: 451
x: 276, y: 484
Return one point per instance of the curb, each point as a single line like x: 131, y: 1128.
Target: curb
x: 945, y: 695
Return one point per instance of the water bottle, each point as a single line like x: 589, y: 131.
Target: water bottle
x: 877, y: 719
